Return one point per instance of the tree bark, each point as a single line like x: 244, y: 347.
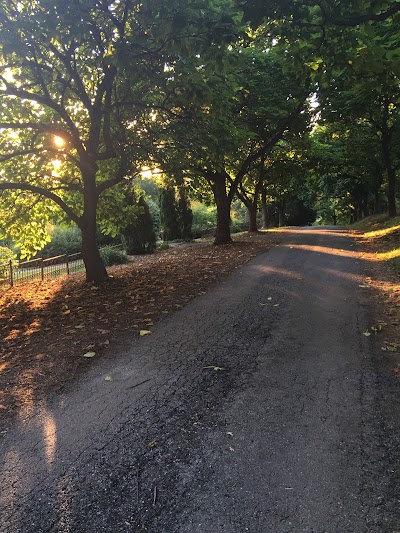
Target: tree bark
x: 390, y: 171
x: 264, y: 208
x: 281, y: 213
x: 223, y: 203
x: 94, y: 264
x: 252, y: 211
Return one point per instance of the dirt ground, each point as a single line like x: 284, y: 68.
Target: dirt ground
x: 382, y: 283
x: 50, y: 329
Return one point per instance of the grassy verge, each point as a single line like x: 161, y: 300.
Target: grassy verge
x: 383, y: 235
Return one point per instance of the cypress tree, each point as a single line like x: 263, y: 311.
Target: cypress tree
x: 169, y: 214
x: 138, y: 236
x: 185, y: 215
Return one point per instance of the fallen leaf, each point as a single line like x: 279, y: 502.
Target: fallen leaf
x: 80, y: 326
x: 108, y: 378
x: 144, y: 332
x: 89, y: 355
x: 364, y: 286
x: 67, y: 312
x: 367, y: 333
x: 269, y: 298
x: 152, y: 443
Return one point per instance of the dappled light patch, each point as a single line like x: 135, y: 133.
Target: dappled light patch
x: 382, y: 232
x: 324, y: 250
x: 383, y: 284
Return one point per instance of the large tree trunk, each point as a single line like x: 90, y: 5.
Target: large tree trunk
x: 281, y: 213
x: 223, y: 203
x: 252, y: 211
x: 94, y: 264
x: 391, y: 173
x: 392, y: 210
x: 264, y: 208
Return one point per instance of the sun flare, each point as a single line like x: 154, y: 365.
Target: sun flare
x: 58, y: 141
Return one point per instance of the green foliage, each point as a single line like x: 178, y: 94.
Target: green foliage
x: 185, y: 215
x: 204, y: 218
x: 169, y: 214
x: 64, y: 240
x: 162, y: 246
x: 237, y: 224
x: 150, y: 187
x: 113, y: 256
x: 6, y: 255
x: 138, y: 236
x: 154, y: 209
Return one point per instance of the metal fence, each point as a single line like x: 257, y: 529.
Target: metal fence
x: 12, y: 274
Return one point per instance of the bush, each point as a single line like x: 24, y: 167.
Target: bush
x: 237, y: 225
x: 138, y: 236
x: 185, y: 215
x: 162, y: 246
x: 154, y: 209
x: 204, y: 218
x: 169, y: 214
x: 64, y: 240
x: 113, y: 256
x: 6, y: 255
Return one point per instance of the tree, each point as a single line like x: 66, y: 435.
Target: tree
x: 138, y: 236
x: 169, y: 214
x: 368, y: 109
x: 185, y: 215
x: 236, y: 114
x: 352, y: 52
x: 64, y: 135
x: 347, y: 170
x: 287, y: 156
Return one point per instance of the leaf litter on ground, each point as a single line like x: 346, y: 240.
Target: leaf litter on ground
x: 42, y: 347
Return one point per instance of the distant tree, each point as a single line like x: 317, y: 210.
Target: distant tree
x: 185, y: 215
x: 138, y: 237
x: 169, y: 214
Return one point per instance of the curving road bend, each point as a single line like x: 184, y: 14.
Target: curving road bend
x: 260, y: 407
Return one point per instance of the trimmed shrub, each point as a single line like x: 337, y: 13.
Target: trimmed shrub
x: 138, y: 237
x: 185, y: 215
x: 154, y: 209
x: 169, y: 215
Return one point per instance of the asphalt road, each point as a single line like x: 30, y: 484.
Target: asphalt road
x: 260, y: 407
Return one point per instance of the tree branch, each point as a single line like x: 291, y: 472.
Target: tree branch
x: 355, y: 21
x: 43, y: 192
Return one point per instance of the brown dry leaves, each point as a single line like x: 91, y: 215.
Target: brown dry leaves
x: 47, y: 327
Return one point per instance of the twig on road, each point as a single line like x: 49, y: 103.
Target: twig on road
x: 137, y: 384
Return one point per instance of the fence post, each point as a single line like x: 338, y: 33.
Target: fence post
x: 67, y: 263
x: 42, y: 268
x: 11, y: 275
